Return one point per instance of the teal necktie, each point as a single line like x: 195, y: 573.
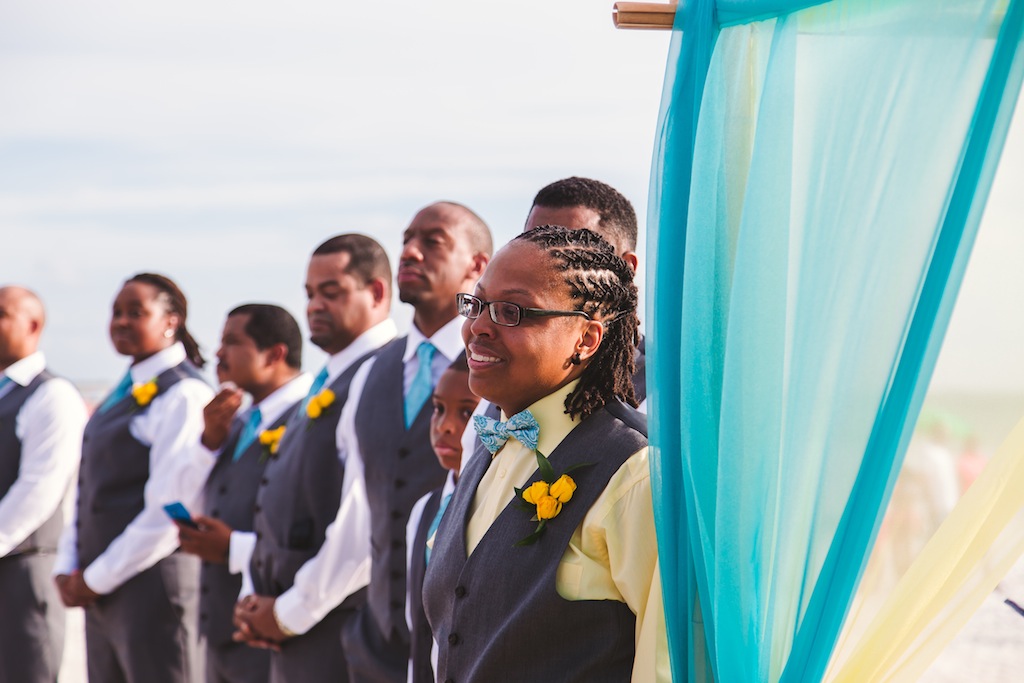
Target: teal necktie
x: 318, y: 383
x: 249, y: 432
x: 4, y: 381
x: 422, y: 385
x: 437, y: 521
x: 119, y: 392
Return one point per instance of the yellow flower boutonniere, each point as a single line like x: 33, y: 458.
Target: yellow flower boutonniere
x: 319, y: 404
x: 270, y: 439
x: 144, y: 393
x: 546, y: 497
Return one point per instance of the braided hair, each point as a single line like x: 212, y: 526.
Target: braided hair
x: 176, y: 304
x: 601, y: 285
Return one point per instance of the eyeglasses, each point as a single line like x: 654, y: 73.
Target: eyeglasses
x: 504, y: 313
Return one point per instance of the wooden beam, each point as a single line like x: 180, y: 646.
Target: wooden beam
x: 644, y: 15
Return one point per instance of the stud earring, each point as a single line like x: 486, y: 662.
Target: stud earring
x: 168, y: 333
x: 575, y: 360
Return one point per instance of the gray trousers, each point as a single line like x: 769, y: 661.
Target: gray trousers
x: 145, y: 631
x: 237, y: 663
x: 372, y: 657
x: 32, y: 623
x: 316, y: 656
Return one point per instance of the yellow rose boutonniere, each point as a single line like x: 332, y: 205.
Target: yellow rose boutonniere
x: 144, y: 393
x: 546, y: 497
x: 270, y: 439
x: 319, y: 404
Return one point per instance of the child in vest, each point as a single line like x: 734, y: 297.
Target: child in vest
x: 545, y: 564
x: 453, y: 405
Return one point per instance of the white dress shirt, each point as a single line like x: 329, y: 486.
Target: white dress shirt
x: 49, y: 425
x: 342, y: 566
x: 170, y: 427
x: 272, y: 407
x: 316, y: 590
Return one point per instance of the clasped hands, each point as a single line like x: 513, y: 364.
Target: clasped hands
x: 74, y: 592
x: 256, y: 623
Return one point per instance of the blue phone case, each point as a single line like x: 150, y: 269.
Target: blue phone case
x: 179, y: 513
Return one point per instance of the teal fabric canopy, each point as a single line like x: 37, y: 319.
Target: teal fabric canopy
x: 819, y: 177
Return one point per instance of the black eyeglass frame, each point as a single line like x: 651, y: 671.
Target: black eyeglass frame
x: 461, y: 300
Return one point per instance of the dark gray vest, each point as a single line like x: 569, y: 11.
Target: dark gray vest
x: 400, y: 468
x: 114, y: 471
x: 299, y: 493
x: 43, y: 539
x: 420, y: 638
x: 230, y: 496
x: 497, y: 615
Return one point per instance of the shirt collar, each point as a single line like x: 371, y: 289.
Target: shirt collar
x: 552, y: 420
x: 370, y: 340
x: 447, y: 340
x: 449, y: 484
x: 282, y: 398
x: 159, y: 362
x: 25, y: 370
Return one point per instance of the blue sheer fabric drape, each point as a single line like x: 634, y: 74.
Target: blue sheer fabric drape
x: 818, y: 180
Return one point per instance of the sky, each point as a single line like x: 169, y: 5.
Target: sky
x: 220, y: 142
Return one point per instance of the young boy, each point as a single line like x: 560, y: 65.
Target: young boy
x: 453, y: 405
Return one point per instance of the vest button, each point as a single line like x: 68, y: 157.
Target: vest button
x: 399, y: 483
x: 397, y: 575
x: 257, y: 564
x: 264, y: 481
x: 223, y: 489
x: 453, y: 639
x: 403, y: 452
x: 214, y: 513
x: 395, y: 604
x: 256, y: 508
x: 449, y: 680
x: 396, y: 544
x: 460, y: 591
x: 396, y: 514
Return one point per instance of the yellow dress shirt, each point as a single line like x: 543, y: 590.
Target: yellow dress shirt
x: 612, y: 555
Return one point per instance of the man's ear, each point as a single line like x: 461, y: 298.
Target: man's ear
x: 590, y: 339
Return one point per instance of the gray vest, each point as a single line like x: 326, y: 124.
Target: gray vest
x: 114, y: 470
x: 43, y: 539
x: 497, y: 615
x: 420, y: 638
x: 299, y: 493
x: 230, y: 496
x: 400, y: 468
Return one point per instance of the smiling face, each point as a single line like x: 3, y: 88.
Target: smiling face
x: 339, y: 305
x: 515, y: 366
x: 140, y: 322
x: 453, y: 406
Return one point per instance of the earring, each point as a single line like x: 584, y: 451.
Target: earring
x: 168, y: 333
x: 575, y: 360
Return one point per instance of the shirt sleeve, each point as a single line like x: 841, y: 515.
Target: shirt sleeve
x: 410, y: 540
x: 342, y: 565
x: 172, y: 426
x: 49, y: 426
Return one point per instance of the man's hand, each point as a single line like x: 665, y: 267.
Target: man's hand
x: 211, y: 541
x: 256, y: 623
x: 74, y: 592
x: 217, y: 415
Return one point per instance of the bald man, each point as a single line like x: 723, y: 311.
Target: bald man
x: 41, y: 423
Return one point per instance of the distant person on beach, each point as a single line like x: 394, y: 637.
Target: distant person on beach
x: 453, y: 406
x: 41, y: 422
x: 260, y: 354
x: 118, y: 558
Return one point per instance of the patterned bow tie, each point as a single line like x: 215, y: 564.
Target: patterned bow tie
x: 494, y: 433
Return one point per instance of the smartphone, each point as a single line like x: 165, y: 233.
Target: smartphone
x: 179, y: 513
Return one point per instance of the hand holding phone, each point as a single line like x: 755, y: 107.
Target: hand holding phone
x: 179, y: 513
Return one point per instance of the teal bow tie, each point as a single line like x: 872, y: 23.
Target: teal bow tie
x: 494, y: 433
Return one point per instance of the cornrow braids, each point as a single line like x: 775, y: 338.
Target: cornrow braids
x: 177, y: 304
x: 601, y: 285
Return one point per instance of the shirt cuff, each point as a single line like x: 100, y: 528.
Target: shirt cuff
x: 293, y: 614
x: 240, y: 548
x: 94, y: 579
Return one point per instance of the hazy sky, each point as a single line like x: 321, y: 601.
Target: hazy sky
x: 219, y: 142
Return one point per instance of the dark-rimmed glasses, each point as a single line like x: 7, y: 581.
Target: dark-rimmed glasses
x: 504, y: 313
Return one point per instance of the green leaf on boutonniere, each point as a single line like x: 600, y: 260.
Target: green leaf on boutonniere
x: 547, y: 472
x: 532, y: 538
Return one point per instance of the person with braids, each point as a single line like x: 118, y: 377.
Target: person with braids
x: 118, y: 558
x: 545, y: 565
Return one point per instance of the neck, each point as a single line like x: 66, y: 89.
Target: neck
x: 428, y: 322
x: 9, y: 361
x: 259, y: 393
